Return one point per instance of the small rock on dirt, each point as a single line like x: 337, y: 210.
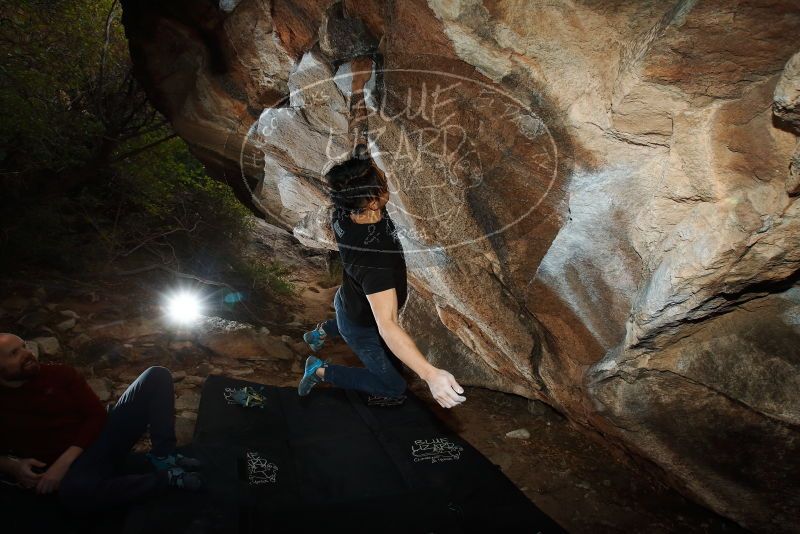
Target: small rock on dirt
x: 543, y: 410
x: 64, y: 326
x: 232, y: 339
x: 129, y: 329
x: 34, y: 320
x: 184, y: 430
x: 194, y: 380
x: 103, y: 351
x: 79, y: 341
x: 279, y: 350
x: 520, y: 433
x: 297, y: 367
x: 101, y: 388
x: 180, y: 346
x: 189, y: 400
x: 177, y: 376
x: 48, y: 346
x: 504, y: 460
x: 300, y: 347
x: 128, y: 376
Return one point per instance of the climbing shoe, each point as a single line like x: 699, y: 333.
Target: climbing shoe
x: 315, y: 338
x: 178, y: 478
x: 310, y: 378
x: 174, y: 460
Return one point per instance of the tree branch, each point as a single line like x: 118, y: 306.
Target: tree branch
x: 142, y: 149
x: 109, y: 18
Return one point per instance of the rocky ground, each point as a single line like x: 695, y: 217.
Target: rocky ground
x: 113, y: 329
x: 564, y: 472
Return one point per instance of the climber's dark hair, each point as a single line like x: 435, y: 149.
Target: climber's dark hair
x: 354, y: 183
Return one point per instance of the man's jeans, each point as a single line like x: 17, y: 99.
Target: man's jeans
x: 381, y: 375
x: 93, y: 480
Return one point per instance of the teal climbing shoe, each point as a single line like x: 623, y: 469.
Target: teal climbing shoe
x: 178, y: 478
x: 315, y: 338
x: 310, y: 378
x: 174, y: 460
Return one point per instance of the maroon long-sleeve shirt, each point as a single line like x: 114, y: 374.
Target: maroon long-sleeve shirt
x: 49, y: 413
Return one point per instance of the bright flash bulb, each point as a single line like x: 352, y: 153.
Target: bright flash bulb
x: 184, y: 308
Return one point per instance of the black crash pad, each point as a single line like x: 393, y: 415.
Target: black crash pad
x: 331, y: 462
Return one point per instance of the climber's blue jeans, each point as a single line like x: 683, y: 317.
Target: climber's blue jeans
x: 380, y: 374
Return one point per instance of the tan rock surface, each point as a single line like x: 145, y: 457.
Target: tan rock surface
x: 597, y: 199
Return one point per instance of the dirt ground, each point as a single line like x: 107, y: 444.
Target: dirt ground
x: 575, y: 480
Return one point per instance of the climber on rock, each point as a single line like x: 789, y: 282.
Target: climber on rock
x: 373, y: 290
x: 58, y: 439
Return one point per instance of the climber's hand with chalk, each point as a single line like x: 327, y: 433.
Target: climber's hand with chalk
x: 444, y: 388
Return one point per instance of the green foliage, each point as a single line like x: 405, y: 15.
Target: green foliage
x: 171, y: 209
x: 74, y: 114
x: 272, y: 277
x: 159, y: 203
x: 166, y: 186
x: 72, y: 110
x: 59, y: 65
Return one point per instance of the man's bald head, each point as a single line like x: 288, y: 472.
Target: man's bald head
x: 6, y: 339
x: 16, y: 361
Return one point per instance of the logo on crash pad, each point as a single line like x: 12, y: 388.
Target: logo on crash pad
x: 260, y: 470
x: 435, y: 450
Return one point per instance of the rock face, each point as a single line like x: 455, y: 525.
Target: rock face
x: 597, y: 200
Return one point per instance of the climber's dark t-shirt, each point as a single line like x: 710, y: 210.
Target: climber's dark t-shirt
x: 372, y: 261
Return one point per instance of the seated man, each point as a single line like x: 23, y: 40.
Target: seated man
x: 63, y: 441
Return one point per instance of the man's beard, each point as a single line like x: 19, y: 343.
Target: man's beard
x: 28, y: 369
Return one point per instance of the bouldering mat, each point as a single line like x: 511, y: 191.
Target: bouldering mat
x: 25, y: 512
x: 332, y: 462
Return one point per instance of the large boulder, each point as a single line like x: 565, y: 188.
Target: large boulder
x: 597, y: 200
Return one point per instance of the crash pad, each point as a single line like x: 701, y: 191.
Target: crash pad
x: 333, y: 462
